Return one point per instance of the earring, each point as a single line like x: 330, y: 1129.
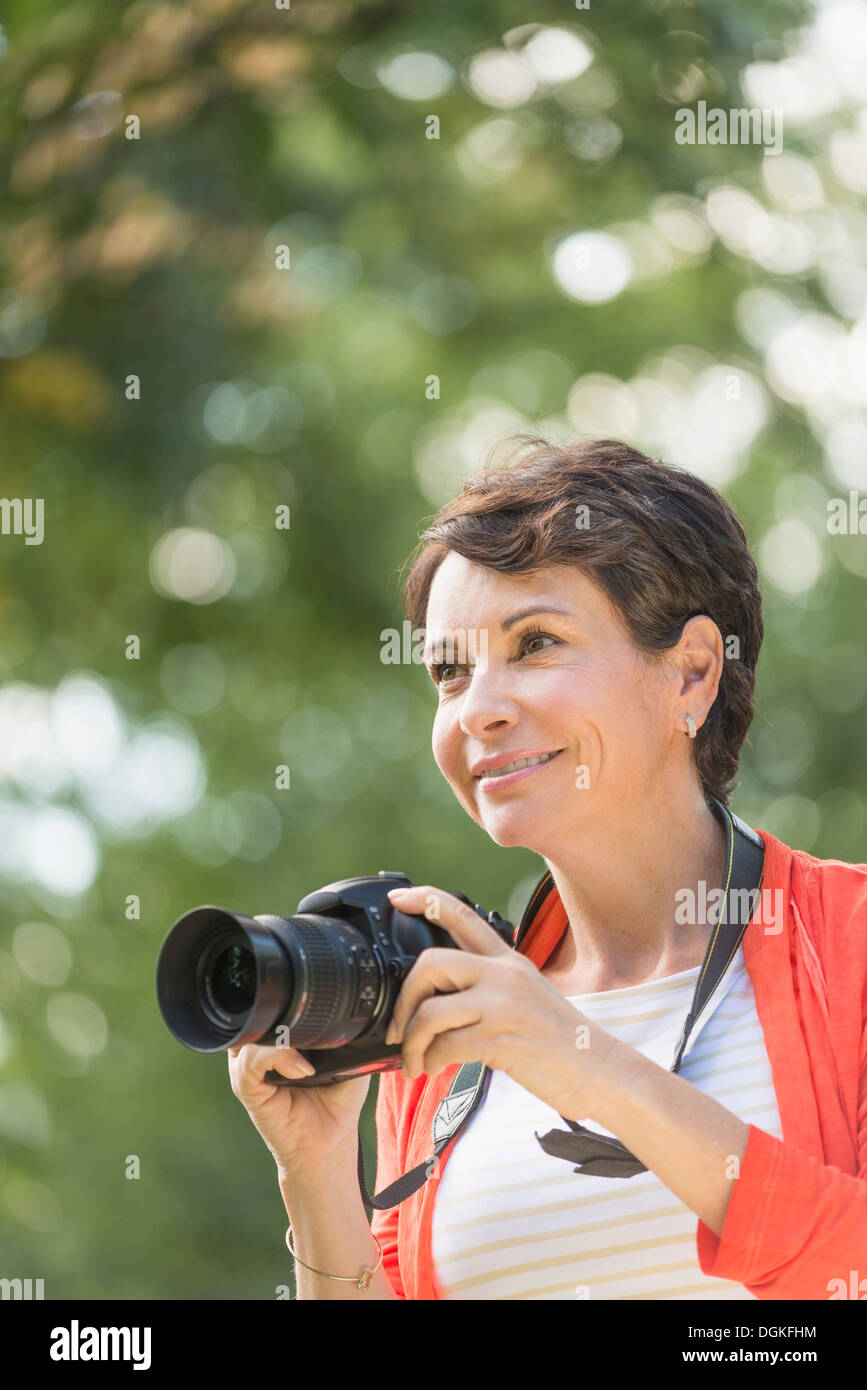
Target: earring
x: 690, y: 726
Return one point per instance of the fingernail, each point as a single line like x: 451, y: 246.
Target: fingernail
x: 396, y: 892
x: 307, y: 1068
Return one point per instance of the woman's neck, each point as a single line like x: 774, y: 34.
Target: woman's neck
x: 623, y: 888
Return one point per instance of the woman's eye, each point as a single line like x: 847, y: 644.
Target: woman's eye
x: 439, y: 670
x: 536, y: 637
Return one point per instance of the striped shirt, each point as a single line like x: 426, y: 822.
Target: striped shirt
x: 512, y: 1222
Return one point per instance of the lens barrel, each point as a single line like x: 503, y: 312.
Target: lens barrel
x: 222, y: 979
x: 324, y: 980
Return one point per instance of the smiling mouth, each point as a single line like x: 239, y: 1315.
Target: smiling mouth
x: 518, y: 764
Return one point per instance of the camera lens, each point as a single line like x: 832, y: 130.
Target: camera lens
x: 223, y: 978
x: 233, y: 980
x: 226, y: 978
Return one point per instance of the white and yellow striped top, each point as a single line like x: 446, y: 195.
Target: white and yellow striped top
x: 511, y: 1221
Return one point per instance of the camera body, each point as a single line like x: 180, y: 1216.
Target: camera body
x: 323, y: 981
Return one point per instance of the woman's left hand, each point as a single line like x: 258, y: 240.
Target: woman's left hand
x: 488, y: 1003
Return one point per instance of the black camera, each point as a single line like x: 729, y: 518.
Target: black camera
x: 323, y: 981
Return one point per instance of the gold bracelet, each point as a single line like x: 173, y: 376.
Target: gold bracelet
x: 361, y: 1281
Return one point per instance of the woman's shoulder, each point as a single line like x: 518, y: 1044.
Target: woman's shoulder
x: 799, y: 868
x: 829, y: 895
x: 835, y: 883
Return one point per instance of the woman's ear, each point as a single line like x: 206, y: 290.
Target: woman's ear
x: 698, y: 658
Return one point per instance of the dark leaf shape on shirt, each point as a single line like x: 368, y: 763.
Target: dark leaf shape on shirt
x: 597, y: 1155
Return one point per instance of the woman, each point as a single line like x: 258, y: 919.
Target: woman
x: 595, y: 617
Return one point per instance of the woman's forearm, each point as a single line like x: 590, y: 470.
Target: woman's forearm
x: 330, y: 1230
x: 691, y: 1142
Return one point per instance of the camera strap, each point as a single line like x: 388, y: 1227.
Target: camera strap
x: 595, y: 1154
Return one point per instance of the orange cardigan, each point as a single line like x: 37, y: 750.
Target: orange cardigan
x: 797, y: 1217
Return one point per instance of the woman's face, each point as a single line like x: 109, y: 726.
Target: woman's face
x: 581, y: 690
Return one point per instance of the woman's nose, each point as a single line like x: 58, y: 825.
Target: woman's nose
x: 486, y: 703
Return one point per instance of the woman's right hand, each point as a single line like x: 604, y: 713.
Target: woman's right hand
x: 302, y: 1126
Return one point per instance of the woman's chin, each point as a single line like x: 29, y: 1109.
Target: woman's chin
x: 512, y: 825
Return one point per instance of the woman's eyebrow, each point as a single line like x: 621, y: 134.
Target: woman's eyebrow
x: 530, y: 612
x: 436, y: 645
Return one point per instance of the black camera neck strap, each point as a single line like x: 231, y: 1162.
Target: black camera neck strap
x: 599, y: 1155
x: 465, y: 1095
x: 596, y: 1154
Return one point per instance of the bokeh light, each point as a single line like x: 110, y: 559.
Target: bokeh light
x: 192, y: 565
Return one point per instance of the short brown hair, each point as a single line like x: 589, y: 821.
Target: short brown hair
x: 661, y: 543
